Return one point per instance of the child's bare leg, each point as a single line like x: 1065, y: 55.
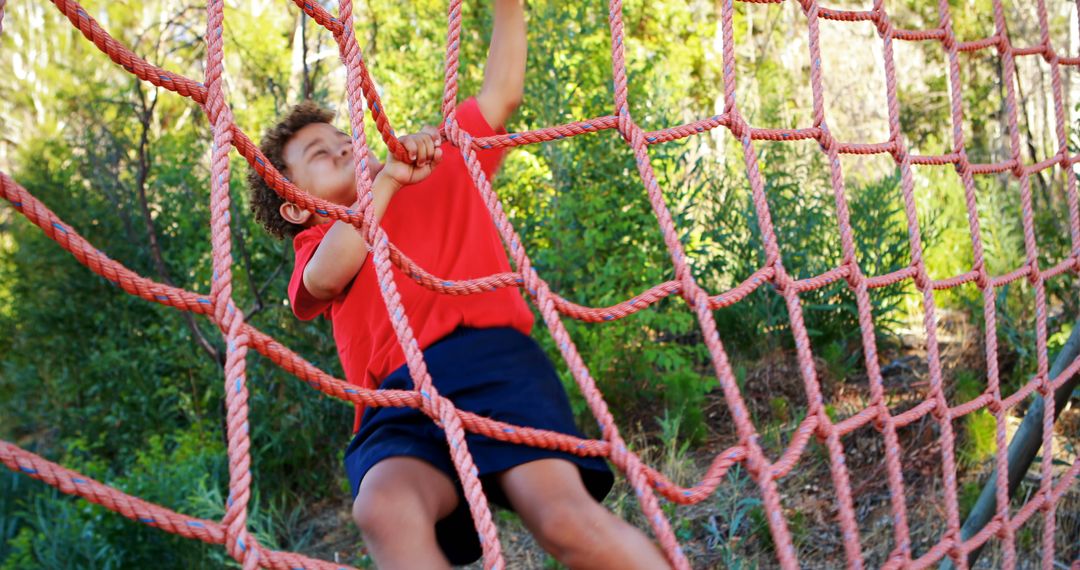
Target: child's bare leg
x: 568, y: 523
x: 399, y: 501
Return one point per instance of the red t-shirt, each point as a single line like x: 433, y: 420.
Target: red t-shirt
x: 444, y: 226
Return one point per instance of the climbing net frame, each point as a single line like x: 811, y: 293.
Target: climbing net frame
x: 647, y: 482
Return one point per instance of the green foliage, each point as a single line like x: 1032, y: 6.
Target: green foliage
x: 113, y: 385
x: 185, y: 471
x: 552, y: 564
x: 729, y: 545
x: 968, y: 385
x: 979, y: 440
x: 805, y: 227
x: 925, y: 110
x: 969, y: 495
x: 729, y: 533
x: 64, y: 532
x: 131, y: 392
x: 760, y: 531
x: 13, y: 488
x: 980, y: 434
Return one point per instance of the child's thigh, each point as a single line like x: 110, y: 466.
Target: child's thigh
x: 404, y: 486
x: 537, y: 487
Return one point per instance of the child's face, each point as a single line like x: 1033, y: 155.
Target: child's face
x: 319, y: 160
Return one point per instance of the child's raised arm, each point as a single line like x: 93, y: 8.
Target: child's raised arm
x: 504, y: 74
x: 342, y: 252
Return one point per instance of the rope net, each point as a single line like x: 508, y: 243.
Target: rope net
x: 232, y: 530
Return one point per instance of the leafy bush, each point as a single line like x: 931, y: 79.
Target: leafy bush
x: 62, y: 531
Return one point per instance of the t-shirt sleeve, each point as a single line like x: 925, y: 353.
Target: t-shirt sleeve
x: 304, y: 306
x: 472, y: 120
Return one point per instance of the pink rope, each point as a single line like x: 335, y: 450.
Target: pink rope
x: 241, y: 545
x: 220, y: 307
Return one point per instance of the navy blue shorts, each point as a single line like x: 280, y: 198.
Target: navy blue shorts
x: 496, y: 373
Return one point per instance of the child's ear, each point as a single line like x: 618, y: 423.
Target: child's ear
x: 294, y: 214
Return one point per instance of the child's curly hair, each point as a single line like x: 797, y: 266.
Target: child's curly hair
x: 265, y: 203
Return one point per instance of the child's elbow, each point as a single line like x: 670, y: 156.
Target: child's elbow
x: 321, y: 288
x: 507, y: 104
x: 511, y: 100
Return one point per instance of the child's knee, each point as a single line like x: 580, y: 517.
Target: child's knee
x: 567, y: 526
x: 398, y: 530
x: 379, y: 511
x: 402, y: 492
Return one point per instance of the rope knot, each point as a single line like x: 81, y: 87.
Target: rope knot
x: 1033, y: 272
x: 1049, y: 54
x: 431, y: 402
x: 961, y: 163
x: 898, y: 148
x: 939, y: 411
x: 854, y: 275
x: 921, y: 279
x: 242, y: 546
x: 618, y: 451
x: 632, y: 133
x: 824, y: 426
x: 1018, y: 165
x: 1048, y: 503
x: 825, y: 137
x: 982, y: 279
x: 451, y: 128
x: 1043, y: 386
x: 780, y: 279
x: 737, y: 125
x: 214, y: 106
x: 1003, y: 532
x: 953, y: 536
x: 882, y: 411
x: 880, y: 17
x: 949, y: 41
x: 1002, y: 43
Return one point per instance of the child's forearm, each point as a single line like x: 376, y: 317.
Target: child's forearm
x: 504, y: 74
x: 342, y: 252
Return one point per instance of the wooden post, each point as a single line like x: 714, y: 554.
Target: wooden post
x: 1023, y: 447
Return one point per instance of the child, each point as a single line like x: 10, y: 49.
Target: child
x: 408, y: 502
